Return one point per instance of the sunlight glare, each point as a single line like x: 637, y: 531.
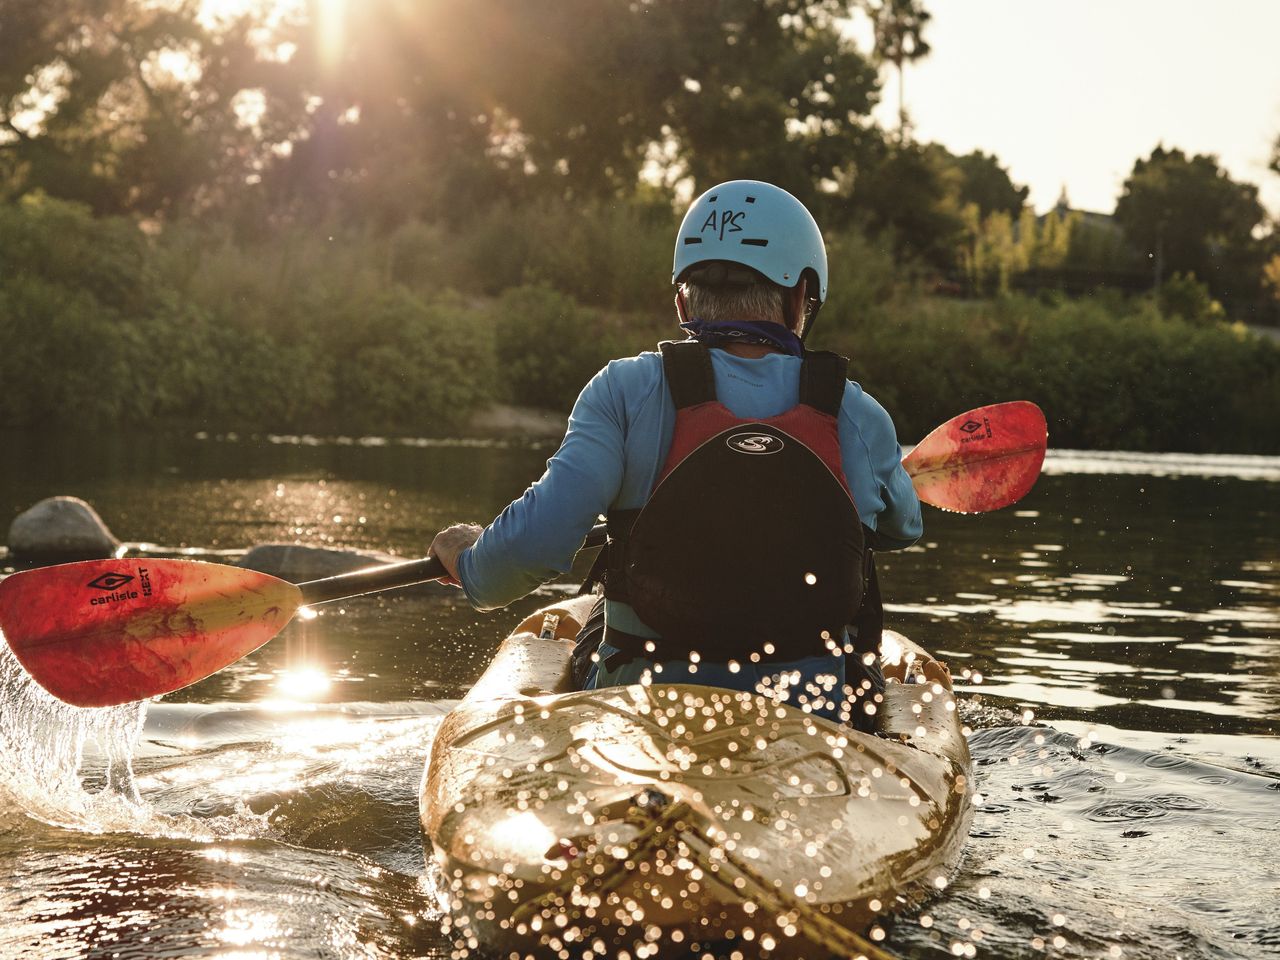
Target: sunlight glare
x: 243, y: 927
x: 330, y: 17
x: 266, y: 12
x: 303, y: 683
x: 522, y: 832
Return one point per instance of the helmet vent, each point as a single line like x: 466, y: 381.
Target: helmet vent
x: 712, y: 199
x: 751, y: 199
x: 756, y: 242
x: 689, y: 240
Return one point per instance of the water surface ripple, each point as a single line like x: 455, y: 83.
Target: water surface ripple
x: 1116, y: 637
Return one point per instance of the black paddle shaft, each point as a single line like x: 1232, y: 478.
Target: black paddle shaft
x: 392, y: 575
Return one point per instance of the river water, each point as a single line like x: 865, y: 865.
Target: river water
x: 1118, y: 636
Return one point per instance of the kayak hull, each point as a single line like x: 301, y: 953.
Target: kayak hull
x: 631, y: 817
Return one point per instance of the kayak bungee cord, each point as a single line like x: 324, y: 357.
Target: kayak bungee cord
x: 607, y: 873
x: 839, y: 941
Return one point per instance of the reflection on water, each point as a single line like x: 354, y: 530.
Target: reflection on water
x: 1236, y: 466
x: 1141, y: 602
x: 1084, y: 848
x: 133, y: 896
x: 289, y: 830
x: 1130, y: 603
x: 1080, y: 846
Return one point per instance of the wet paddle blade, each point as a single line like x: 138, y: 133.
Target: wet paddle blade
x: 982, y: 460
x: 105, y: 632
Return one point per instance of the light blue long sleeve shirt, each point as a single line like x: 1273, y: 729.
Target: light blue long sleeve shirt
x: 618, y: 437
x: 617, y: 442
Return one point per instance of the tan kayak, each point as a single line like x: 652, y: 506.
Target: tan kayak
x: 669, y: 819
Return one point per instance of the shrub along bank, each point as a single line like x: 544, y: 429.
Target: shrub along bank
x: 336, y: 330
x: 1109, y: 377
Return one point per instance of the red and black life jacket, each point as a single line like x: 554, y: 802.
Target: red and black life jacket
x: 750, y: 542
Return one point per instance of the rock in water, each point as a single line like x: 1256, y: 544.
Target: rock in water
x: 61, y: 529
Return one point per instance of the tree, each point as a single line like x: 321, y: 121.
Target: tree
x: 985, y: 183
x: 941, y: 208
x: 459, y: 101
x: 899, y: 38
x: 384, y: 111
x: 1271, y: 277
x: 1188, y: 216
x: 430, y: 110
x: 912, y: 194
x: 773, y: 90
x: 124, y: 106
x: 1099, y: 256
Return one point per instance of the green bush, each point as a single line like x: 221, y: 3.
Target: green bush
x: 63, y: 355
x: 1185, y: 297
x: 862, y: 281
x: 548, y: 347
x: 298, y: 285
x: 420, y: 366
x: 74, y: 293
x: 616, y: 256
x: 250, y: 379
x: 1139, y: 382
x: 106, y: 260
x: 323, y: 328
x: 419, y: 257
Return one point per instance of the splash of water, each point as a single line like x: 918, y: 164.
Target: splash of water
x: 42, y: 752
x: 72, y: 767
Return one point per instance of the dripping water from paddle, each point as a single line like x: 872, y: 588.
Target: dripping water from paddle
x: 42, y: 749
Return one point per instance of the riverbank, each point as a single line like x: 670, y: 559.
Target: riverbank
x: 342, y: 333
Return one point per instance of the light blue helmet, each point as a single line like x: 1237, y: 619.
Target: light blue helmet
x: 757, y: 225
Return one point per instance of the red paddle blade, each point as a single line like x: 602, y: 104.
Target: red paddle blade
x: 104, y: 632
x: 982, y: 460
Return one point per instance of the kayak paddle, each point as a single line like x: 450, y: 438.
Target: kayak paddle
x: 105, y: 632
x: 982, y: 460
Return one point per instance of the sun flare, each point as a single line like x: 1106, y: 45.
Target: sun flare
x: 303, y: 683
x: 266, y: 11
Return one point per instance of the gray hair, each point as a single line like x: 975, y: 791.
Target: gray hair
x: 718, y: 304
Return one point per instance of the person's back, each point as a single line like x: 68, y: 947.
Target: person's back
x: 737, y: 470
x: 752, y: 389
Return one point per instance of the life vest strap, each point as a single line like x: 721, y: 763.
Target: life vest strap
x: 608, y: 566
x: 690, y: 376
x: 823, y: 377
x: 692, y: 380
x: 868, y: 624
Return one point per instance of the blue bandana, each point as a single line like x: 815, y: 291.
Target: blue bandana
x: 745, y: 331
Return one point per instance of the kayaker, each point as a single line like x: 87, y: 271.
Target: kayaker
x: 777, y: 475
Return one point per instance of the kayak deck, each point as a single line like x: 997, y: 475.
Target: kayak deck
x: 587, y: 823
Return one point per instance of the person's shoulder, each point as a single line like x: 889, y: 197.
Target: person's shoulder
x: 628, y: 373
x: 862, y: 408
x: 856, y: 398
x: 625, y: 380
x: 645, y: 361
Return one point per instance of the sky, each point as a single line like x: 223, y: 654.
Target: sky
x: 1071, y: 92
